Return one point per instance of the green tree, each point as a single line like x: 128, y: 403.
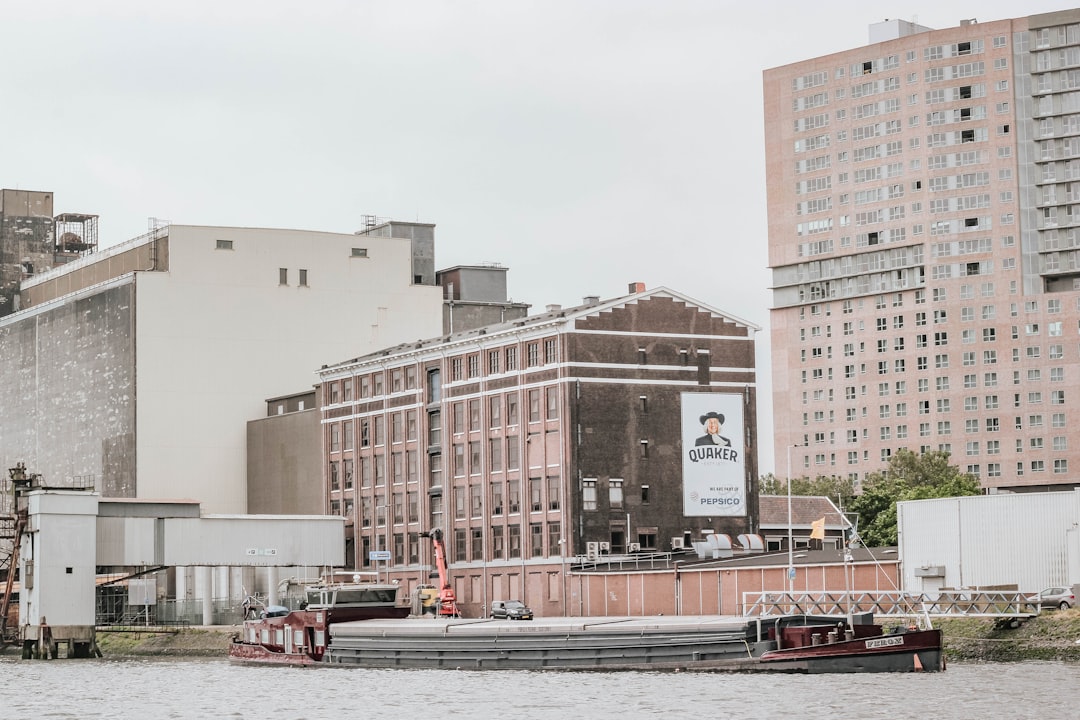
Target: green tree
x: 907, y: 477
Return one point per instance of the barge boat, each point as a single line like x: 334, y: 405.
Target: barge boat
x: 791, y: 644
x: 278, y: 635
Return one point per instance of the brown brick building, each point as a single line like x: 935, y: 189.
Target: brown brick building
x: 538, y: 441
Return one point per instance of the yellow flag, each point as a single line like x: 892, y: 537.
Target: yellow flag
x: 817, y: 531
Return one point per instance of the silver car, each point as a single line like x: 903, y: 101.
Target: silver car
x: 1061, y: 598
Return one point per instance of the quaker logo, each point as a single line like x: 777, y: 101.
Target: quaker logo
x: 713, y: 445
x: 712, y: 454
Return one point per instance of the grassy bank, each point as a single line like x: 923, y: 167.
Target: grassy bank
x: 1051, y: 636
x: 188, y: 642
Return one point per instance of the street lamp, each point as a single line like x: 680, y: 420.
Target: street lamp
x: 790, y: 539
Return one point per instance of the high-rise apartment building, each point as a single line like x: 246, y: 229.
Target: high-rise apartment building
x: 924, y: 237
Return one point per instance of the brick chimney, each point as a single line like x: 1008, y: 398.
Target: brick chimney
x: 636, y: 287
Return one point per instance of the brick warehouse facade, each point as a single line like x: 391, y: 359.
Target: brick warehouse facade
x: 532, y: 443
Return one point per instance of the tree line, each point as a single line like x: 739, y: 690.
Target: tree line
x: 908, y: 476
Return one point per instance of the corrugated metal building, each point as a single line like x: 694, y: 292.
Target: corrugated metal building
x: 1029, y: 540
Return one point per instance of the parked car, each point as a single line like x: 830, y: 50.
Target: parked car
x: 510, y: 610
x: 1061, y: 598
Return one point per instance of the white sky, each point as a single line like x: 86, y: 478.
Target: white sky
x: 583, y: 144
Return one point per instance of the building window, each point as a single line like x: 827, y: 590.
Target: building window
x: 224, y: 244
x: 536, y: 539
x: 588, y: 494
x: 476, y: 500
x: 552, y: 398
x: 303, y: 277
x: 283, y: 276
x: 550, y: 352
x: 515, y: 541
x: 459, y: 460
x: 434, y: 386
x: 553, y: 492
x: 513, y: 454
x: 474, y: 457
x: 615, y: 492
x: 536, y: 495
x: 533, y: 354
x: 534, y: 405
x: 554, y: 533
x: 347, y: 431
x: 359, y: 253
x: 512, y: 409
x: 514, y: 495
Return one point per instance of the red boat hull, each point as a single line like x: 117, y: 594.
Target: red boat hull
x: 913, y: 651
x: 246, y: 652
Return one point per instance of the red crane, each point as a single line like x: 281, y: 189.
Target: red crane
x: 447, y: 597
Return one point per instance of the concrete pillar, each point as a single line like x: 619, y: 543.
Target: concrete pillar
x: 271, y: 586
x: 181, y: 575
x: 205, y: 581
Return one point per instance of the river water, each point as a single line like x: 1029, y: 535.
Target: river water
x: 156, y: 688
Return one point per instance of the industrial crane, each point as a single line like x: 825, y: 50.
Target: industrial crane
x: 447, y: 597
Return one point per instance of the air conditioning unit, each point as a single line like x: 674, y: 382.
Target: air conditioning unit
x: 605, y: 547
x: 677, y: 543
x: 633, y: 547
x: 592, y: 549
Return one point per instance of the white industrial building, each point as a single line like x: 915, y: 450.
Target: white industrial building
x: 135, y: 369
x: 1029, y: 540
x: 70, y: 533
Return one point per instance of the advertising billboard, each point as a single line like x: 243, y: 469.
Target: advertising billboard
x: 713, y: 455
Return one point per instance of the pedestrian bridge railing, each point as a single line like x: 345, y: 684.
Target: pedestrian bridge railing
x: 994, y: 604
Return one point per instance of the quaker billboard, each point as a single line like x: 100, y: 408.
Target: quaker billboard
x: 713, y: 455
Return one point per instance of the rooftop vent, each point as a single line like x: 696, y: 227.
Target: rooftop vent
x: 591, y: 300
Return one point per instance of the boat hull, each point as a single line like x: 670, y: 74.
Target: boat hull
x: 913, y: 651
x: 249, y: 653
x: 703, y: 643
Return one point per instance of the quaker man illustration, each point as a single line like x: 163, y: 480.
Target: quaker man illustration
x: 712, y: 423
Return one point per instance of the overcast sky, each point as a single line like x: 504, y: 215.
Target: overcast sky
x: 584, y: 145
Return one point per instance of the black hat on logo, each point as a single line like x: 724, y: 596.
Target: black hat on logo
x: 708, y: 415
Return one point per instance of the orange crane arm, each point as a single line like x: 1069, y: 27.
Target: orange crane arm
x: 447, y: 596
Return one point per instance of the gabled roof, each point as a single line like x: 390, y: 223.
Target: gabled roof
x: 805, y: 509
x: 554, y: 316
x: 587, y: 310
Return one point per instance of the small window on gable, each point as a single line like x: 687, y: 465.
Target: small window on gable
x: 303, y: 278
x: 283, y: 276
x: 224, y: 245
x: 359, y: 252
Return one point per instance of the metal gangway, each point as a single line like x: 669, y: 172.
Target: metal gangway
x: 953, y: 604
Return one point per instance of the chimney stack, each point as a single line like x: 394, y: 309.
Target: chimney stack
x: 636, y: 287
